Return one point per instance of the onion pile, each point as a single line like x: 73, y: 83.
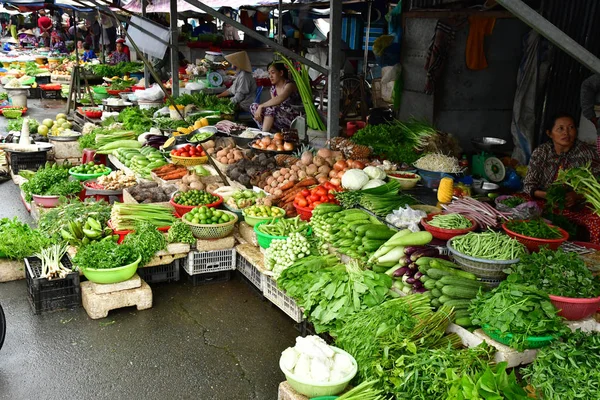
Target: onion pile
x: 276, y: 143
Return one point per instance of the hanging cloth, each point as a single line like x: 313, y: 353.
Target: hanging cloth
x: 479, y: 28
x: 439, y: 49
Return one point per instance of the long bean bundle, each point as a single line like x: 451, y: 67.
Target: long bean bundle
x: 489, y: 245
x: 302, y: 80
x: 125, y: 216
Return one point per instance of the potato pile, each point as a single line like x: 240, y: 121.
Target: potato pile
x: 229, y: 155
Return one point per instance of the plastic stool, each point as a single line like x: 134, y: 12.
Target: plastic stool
x: 90, y: 155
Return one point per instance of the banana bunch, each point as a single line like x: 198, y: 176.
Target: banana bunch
x: 80, y: 233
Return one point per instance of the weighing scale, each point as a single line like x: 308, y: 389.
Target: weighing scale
x: 486, y: 164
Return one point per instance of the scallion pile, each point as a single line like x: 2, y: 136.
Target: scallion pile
x: 124, y: 216
x: 50, y: 257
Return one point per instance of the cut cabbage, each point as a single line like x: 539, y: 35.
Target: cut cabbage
x: 375, y: 172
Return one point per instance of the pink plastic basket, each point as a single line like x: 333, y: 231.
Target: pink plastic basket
x: 575, y: 309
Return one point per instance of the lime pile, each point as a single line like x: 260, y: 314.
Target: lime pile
x: 90, y: 169
x: 263, y: 211
x: 207, y: 216
x: 195, y: 198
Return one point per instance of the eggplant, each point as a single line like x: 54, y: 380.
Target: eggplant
x: 413, y: 266
x: 418, y: 275
x: 428, y: 252
x: 400, y: 272
x: 411, y: 281
x: 421, y: 290
x: 418, y: 284
x: 411, y: 249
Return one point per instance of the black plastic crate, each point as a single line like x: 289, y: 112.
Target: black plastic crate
x: 210, y: 277
x: 33, y: 93
x: 160, y: 273
x: 42, y: 80
x: 51, y: 94
x: 51, y: 295
x: 26, y: 160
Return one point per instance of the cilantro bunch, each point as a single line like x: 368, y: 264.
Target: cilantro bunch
x: 146, y: 240
x: 52, y: 180
x: 18, y: 240
x: 105, y: 254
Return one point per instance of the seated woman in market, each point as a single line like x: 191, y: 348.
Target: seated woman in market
x: 279, y: 112
x: 564, y: 151
x: 119, y: 54
x: 58, y: 44
x: 243, y: 89
x: 26, y: 37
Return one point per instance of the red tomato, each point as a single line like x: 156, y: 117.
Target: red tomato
x: 324, y: 199
x: 199, y: 148
x: 328, y: 186
x: 302, y: 202
x: 299, y: 196
x: 173, y: 152
x: 313, y: 197
x: 320, y: 191
x: 316, y: 203
x: 331, y: 198
x: 184, y: 154
x: 305, y: 193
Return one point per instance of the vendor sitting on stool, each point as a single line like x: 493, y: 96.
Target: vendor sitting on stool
x: 119, y: 54
x: 243, y: 89
x: 279, y: 111
x: 58, y: 43
x: 563, y: 152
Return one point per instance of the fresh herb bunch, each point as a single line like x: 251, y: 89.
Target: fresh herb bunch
x: 520, y: 310
x: 105, y: 254
x: 492, y: 383
x: 17, y: 124
x: 88, y: 141
x: 50, y: 181
x: 559, y: 273
x: 170, y: 123
x: 119, y: 69
x: 535, y: 228
x: 206, y: 102
x: 567, y: 370
x: 584, y: 183
x: 556, y: 196
x: 557, y: 219
x: 513, y: 201
x: 120, y: 84
x: 54, y: 219
x: 136, y: 119
x: 180, y: 232
x: 18, y: 240
x: 147, y: 240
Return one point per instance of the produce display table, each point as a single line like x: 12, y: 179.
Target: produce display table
x: 98, y: 299
x: 11, y: 270
x: 173, y: 252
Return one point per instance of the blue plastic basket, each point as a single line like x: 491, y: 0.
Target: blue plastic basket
x: 432, y: 179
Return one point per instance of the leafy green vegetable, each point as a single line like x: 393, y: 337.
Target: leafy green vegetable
x: 513, y: 201
x: 493, y: 383
x: 53, y: 220
x: 206, y: 102
x: 17, y: 124
x: 105, y: 254
x: 120, y: 69
x: 520, y: 310
x: 180, y: 232
x: 147, y: 240
x: 170, y: 123
x: 136, y: 119
x: 535, y: 228
x: 567, y: 370
x: 556, y: 196
x: 52, y: 180
x: 120, y: 84
x: 88, y: 141
x: 559, y: 273
x: 18, y: 240
x: 584, y: 183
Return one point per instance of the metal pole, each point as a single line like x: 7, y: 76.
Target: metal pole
x: 366, y: 54
x: 280, y: 24
x: 335, y: 65
x: 101, y: 37
x: 247, y: 31
x: 552, y: 33
x: 146, y: 72
x: 174, y: 49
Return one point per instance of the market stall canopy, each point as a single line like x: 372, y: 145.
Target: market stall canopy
x: 162, y: 6
x: 70, y: 4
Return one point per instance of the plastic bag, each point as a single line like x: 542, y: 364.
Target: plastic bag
x: 388, y: 78
x: 527, y: 210
x: 153, y: 93
x: 195, y: 85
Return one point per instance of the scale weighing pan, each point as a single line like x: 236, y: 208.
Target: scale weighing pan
x: 487, y: 143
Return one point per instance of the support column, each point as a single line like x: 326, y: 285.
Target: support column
x: 174, y: 49
x: 146, y: 71
x: 280, y: 24
x: 552, y: 33
x: 335, y: 65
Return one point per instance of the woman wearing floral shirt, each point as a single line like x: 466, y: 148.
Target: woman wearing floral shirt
x: 118, y: 55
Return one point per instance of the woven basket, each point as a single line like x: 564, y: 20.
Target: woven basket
x: 213, y: 231
x: 189, y: 161
x: 480, y: 267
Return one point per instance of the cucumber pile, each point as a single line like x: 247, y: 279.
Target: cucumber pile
x: 141, y: 161
x: 352, y: 232
x: 450, y: 286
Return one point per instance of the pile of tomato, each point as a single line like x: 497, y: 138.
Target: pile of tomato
x: 317, y: 195
x: 189, y: 151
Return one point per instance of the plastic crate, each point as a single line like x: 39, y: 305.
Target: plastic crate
x: 249, y: 271
x: 26, y: 160
x: 210, y: 261
x: 51, y: 295
x: 51, y: 94
x: 280, y: 299
x: 42, y: 80
x: 160, y: 273
x: 33, y: 93
x: 211, y: 277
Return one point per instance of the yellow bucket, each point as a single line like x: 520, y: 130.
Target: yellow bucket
x: 40, y: 60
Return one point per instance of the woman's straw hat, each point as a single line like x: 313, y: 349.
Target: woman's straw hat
x: 240, y: 60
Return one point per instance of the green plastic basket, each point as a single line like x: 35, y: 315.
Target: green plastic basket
x: 99, y: 90
x: 87, y: 177
x: 264, y: 240
x: 533, y: 342
x: 112, y: 275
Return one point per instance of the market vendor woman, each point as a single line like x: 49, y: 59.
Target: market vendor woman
x: 564, y: 151
x: 243, y: 89
x: 279, y: 112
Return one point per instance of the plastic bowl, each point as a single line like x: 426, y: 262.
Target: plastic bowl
x: 311, y: 389
x: 112, y: 275
x: 445, y: 234
x: 87, y: 177
x: 250, y: 220
x: 182, y: 210
x: 46, y: 201
x: 575, y: 309
x: 264, y: 240
x: 481, y: 267
x: 534, y: 244
x: 532, y: 342
x: 305, y: 213
x: 406, y: 183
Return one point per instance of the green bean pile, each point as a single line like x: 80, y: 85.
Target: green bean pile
x: 535, y: 229
x: 284, y: 227
x: 450, y: 221
x: 489, y: 245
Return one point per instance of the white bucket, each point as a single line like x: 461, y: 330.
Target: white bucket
x: 17, y: 97
x: 146, y: 105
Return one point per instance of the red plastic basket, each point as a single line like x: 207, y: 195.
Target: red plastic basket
x: 446, y: 234
x: 117, y: 92
x: 23, y: 109
x: 305, y: 213
x: 575, y: 309
x: 182, y: 210
x: 124, y: 233
x: 534, y: 244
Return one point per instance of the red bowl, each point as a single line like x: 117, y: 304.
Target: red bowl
x: 305, y: 213
x: 93, y: 114
x: 182, y: 210
x: 534, y: 244
x: 575, y: 309
x: 445, y: 234
x: 116, y: 92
